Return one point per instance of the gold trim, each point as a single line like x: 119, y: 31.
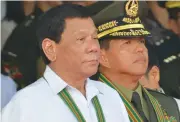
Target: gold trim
x: 132, y: 8
x: 131, y: 20
x: 131, y: 33
x: 172, y: 4
x: 118, y: 28
x: 107, y: 25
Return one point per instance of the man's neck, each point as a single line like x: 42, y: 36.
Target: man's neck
x: 128, y: 81
x: 71, y: 79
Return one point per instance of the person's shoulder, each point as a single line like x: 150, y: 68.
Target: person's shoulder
x: 32, y: 91
x: 27, y: 100
x: 7, y: 81
x: 167, y: 102
x: 161, y: 97
x: 178, y: 102
x: 158, y: 94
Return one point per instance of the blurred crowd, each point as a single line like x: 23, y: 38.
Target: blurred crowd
x: 21, y: 61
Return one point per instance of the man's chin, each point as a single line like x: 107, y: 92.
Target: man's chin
x: 139, y: 69
x: 91, y: 72
x: 139, y: 73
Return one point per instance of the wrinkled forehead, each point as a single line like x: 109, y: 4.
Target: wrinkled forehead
x: 80, y: 25
x: 85, y: 32
x: 117, y: 42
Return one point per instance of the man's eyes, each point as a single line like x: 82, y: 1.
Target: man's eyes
x: 142, y: 41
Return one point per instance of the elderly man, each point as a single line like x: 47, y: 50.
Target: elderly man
x: 124, y: 61
x: 70, y: 48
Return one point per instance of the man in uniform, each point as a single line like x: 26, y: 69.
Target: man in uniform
x: 151, y: 78
x: 68, y: 41
x: 170, y: 76
x: 124, y: 61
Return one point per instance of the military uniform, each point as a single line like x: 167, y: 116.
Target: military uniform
x: 21, y: 52
x: 112, y: 24
x: 161, y: 97
x: 170, y: 76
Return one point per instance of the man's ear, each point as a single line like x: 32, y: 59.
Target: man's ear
x: 154, y: 74
x: 104, y: 59
x: 49, y: 49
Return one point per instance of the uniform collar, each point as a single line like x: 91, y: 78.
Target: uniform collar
x: 128, y: 93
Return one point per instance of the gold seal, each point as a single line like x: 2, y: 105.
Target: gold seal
x: 132, y: 8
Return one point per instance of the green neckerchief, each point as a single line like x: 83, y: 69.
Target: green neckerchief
x: 66, y: 97
x: 161, y: 114
x: 128, y: 93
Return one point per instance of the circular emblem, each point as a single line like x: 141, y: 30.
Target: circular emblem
x: 132, y: 8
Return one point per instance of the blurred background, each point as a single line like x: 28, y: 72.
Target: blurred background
x: 21, y: 63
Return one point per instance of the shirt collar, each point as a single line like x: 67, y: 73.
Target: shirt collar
x: 54, y: 81
x: 139, y: 91
x: 92, y: 90
x: 57, y: 84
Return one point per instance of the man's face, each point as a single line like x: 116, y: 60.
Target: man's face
x: 79, y: 50
x: 151, y: 80
x: 128, y: 56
